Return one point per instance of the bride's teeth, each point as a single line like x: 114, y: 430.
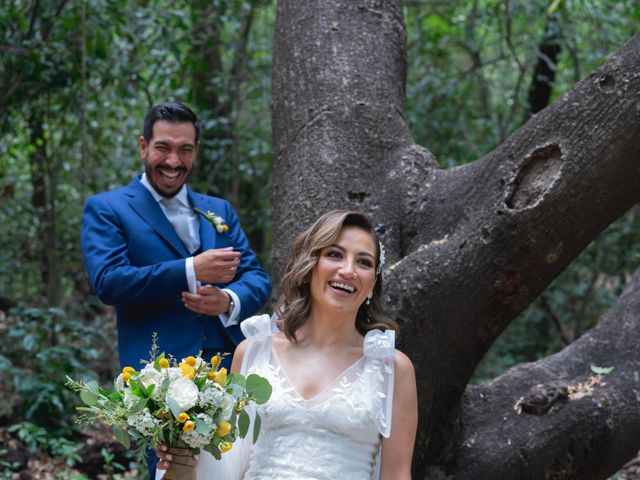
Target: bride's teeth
x: 343, y: 286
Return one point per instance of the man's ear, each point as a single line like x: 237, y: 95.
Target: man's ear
x: 143, y: 146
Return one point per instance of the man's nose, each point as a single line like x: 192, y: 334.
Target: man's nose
x: 173, y: 159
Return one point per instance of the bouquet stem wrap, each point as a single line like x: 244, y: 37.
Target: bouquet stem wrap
x: 183, y: 465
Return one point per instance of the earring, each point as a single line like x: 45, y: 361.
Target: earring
x: 369, y: 297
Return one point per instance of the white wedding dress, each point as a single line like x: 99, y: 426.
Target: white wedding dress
x: 334, y: 435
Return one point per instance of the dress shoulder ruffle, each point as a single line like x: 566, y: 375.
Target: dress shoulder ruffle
x: 258, y: 326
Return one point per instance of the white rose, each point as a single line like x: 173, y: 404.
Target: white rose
x: 184, y: 392
x: 150, y: 376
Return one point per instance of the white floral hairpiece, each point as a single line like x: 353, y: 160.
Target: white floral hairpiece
x: 382, y: 258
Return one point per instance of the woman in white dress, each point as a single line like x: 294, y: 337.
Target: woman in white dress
x: 344, y: 402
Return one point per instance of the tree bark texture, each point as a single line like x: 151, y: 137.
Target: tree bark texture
x: 470, y: 247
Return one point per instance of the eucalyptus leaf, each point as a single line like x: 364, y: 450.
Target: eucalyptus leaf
x: 173, y: 405
x: 88, y: 397
x: 259, y: 388
x: 257, y: 423
x: 201, y: 426
x: 237, y: 379
x: 92, y: 386
x: 122, y: 436
x: 213, y: 450
x: 243, y: 423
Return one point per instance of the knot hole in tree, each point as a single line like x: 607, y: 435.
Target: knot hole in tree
x: 537, y: 175
x: 606, y: 83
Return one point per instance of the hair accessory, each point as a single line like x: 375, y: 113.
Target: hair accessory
x: 382, y: 258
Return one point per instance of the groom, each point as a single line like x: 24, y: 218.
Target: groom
x: 166, y: 268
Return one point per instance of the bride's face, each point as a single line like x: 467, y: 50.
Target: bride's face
x: 345, y: 272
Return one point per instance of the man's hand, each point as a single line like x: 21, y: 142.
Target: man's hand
x: 216, y: 265
x: 209, y: 300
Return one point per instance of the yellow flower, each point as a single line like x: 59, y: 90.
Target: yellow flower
x: 183, y: 417
x: 225, y: 446
x: 223, y: 429
x: 188, y: 426
x: 221, y: 376
x: 187, y: 370
x: 163, y: 363
x: 224, y: 229
x: 190, y: 361
x: 211, y: 375
x: 128, y: 370
x: 126, y: 376
x: 215, y: 361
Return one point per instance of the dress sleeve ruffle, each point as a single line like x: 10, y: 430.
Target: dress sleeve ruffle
x: 258, y: 331
x: 379, y: 349
x: 257, y: 327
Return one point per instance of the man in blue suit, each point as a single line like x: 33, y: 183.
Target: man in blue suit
x: 166, y: 268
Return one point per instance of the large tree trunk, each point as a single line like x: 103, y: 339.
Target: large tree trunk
x: 469, y: 247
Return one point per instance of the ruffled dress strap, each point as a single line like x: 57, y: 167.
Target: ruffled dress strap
x: 379, y: 350
x: 258, y: 331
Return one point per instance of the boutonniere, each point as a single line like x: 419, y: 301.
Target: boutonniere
x: 215, y: 220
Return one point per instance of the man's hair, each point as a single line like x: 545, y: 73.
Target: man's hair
x: 173, y: 112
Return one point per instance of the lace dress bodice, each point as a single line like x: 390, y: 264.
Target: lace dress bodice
x: 335, y: 434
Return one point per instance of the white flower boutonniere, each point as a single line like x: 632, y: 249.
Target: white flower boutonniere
x: 215, y: 220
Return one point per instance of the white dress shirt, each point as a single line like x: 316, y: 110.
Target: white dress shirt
x: 192, y: 243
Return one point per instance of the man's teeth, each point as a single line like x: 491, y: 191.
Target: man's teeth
x: 343, y: 286
x: 170, y: 174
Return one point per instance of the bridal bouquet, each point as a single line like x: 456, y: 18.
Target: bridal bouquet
x: 188, y: 404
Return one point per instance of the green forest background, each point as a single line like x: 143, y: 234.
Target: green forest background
x: 77, y: 77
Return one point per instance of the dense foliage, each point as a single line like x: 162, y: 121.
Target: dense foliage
x: 77, y: 77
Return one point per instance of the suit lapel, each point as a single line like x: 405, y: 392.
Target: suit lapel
x: 143, y: 203
x: 207, y: 232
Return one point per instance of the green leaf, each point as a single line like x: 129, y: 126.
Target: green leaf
x: 149, y: 390
x: 213, y: 450
x: 553, y: 7
x: 237, y: 379
x: 259, y: 388
x: 88, y: 396
x: 135, y: 388
x: 115, y: 396
x: 141, y: 388
x: 92, y: 386
x: 257, y: 423
x: 601, y: 370
x: 122, y: 436
x: 138, y: 406
x: 201, y: 426
x: 173, y: 405
x: 243, y: 423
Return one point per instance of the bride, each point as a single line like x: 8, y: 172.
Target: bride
x: 344, y: 402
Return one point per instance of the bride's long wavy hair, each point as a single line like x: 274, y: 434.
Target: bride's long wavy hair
x: 294, y: 305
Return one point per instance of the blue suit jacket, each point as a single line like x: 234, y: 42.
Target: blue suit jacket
x: 136, y: 261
